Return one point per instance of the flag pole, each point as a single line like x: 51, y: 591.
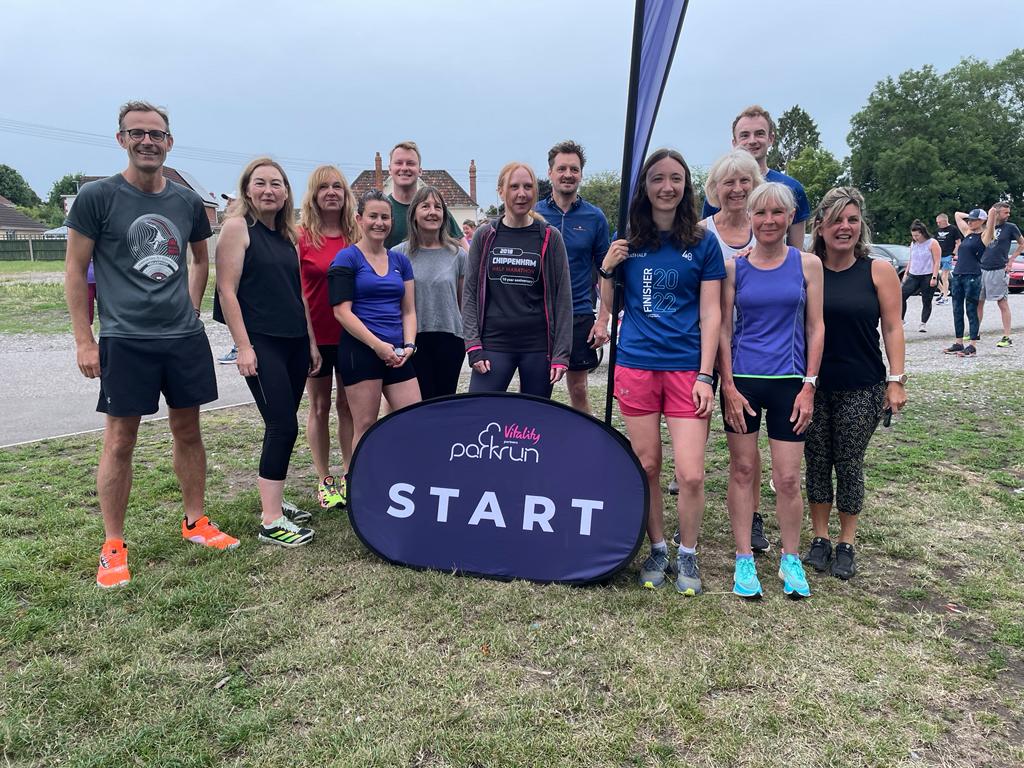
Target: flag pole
x: 624, y: 189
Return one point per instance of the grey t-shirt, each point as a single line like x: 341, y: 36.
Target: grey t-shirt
x: 139, y: 255
x: 437, y: 272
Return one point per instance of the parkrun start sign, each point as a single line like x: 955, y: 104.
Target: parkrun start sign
x: 499, y: 485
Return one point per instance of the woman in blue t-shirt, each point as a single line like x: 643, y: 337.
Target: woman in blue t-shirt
x: 671, y: 271
x: 372, y: 293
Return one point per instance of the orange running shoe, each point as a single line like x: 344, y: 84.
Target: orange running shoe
x: 208, y: 534
x: 113, y: 570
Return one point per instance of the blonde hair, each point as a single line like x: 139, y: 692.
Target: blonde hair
x: 775, y: 191
x: 829, y: 209
x: 312, y: 220
x: 284, y: 220
x: 409, y: 145
x: 737, y: 161
x: 503, y: 178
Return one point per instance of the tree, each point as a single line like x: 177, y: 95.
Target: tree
x: 14, y: 187
x: 602, y: 189
x: 66, y: 185
x: 818, y: 170
x: 795, y: 132
x: 44, y: 214
x: 929, y: 142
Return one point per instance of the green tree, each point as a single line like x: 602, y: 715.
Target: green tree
x: 44, y: 214
x: 14, y: 187
x: 818, y: 170
x: 929, y: 142
x: 602, y: 189
x: 66, y: 185
x: 795, y: 132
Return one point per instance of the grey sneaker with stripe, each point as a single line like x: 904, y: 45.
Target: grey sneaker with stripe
x: 284, y: 533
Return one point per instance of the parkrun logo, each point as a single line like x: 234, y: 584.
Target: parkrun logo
x: 498, y: 443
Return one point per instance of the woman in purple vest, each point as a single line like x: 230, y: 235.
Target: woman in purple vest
x: 768, y: 358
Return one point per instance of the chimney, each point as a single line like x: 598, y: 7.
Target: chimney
x: 472, y: 180
x: 378, y: 172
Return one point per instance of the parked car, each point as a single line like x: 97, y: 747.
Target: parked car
x: 1017, y: 274
x: 897, y: 255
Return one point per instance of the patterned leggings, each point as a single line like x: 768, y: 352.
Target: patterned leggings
x: 838, y: 437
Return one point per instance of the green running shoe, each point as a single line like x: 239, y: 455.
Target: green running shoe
x: 330, y: 494
x: 284, y: 533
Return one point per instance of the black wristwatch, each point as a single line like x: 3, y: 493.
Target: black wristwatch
x: 706, y: 378
x: 605, y: 273
x: 409, y: 346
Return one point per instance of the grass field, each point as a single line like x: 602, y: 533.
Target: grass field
x: 327, y: 656
x: 16, y: 267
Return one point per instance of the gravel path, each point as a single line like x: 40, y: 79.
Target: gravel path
x: 44, y: 395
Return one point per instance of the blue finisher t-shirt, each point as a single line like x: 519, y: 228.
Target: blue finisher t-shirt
x: 584, y: 230
x: 377, y: 300
x: 803, y: 208
x: 661, y: 327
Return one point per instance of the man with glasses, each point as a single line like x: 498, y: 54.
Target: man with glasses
x: 136, y: 227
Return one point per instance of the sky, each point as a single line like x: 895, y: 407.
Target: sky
x: 312, y: 81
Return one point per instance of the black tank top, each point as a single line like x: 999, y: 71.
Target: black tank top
x: 269, y: 290
x: 852, y: 358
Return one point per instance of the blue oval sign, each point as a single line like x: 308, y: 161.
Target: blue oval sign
x: 499, y: 485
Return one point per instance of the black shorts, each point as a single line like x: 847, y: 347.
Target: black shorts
x: 582, y: 357
x: 133, y: 373
x: 357, y: 362
x: 328, y: 362
x: 776, y: 397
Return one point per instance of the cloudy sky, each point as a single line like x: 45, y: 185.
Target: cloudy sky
x: 312, y: 81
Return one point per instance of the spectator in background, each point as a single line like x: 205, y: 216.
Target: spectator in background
x: 469, y: 229
x: 966, y: 287
x: 996, y: 261
x: 948, y: 237
x: 922, y: 273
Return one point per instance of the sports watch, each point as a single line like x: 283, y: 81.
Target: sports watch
x: 894, y: 378
x: 812, y: 380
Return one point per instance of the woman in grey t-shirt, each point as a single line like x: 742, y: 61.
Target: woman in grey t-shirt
x: 439, y: 265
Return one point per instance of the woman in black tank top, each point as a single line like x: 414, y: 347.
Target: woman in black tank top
x: 853, y: 388
x: 259, y: 296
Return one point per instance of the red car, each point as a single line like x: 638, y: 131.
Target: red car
x: 1017, y: 274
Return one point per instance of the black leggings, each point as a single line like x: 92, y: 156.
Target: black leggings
x: 838, y: 437
x: 922, y: 283
x: 439, y: 359
x: 534, y: 373
x: 281, y: 368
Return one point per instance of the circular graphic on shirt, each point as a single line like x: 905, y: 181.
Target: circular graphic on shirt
x: 156, y: 245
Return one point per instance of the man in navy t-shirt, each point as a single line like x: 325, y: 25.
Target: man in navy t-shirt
x: 584, y: 229
x: 754, y: 131
x: 999, y: 234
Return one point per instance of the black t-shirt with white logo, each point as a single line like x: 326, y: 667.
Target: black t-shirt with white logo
x: 514, y: 318
x: 946, y: 237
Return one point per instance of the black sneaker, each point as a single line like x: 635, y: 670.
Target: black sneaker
x: 293, y: 513
x: 758, y: 541
x: 819, y: 556
x: 843, y: 566
x: 969, y: 351
x: 284, y: 533
x: 954, y: 349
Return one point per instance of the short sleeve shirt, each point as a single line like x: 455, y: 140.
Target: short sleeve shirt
x: 400, y: 224
x: 437, y: 272
x: 661, y: 327
x: 997, y: 253
x: 947, y: 238
x: 378, y: 299
x: 140, y: 255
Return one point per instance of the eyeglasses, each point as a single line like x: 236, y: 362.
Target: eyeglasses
x: 137, y: 134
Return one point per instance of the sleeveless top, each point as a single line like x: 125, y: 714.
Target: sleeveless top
x: 921, y: 258
x: 852, y: 358
x: 768, y: 335
x: 269, y: 289
x: 728, y: 251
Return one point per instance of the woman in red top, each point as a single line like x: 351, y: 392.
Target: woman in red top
x: 328, y: 225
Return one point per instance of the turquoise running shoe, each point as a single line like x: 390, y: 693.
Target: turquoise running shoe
x: 794, y: 581
x: 744, y: 581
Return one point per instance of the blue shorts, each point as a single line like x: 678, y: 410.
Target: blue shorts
x: 946, y: 262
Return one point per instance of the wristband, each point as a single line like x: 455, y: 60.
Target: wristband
x: 409, y: 346
x: 605, y: 273
x: 705, y: 378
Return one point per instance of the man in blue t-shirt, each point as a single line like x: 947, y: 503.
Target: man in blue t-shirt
x: 584, y: 229
x: 754, y: 131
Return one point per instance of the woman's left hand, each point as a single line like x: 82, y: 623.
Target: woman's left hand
x: 803, y: 409
x: 557, y: 371
x: 703, y: 399
x: 315, y: 360
x: 402, y: 358
x: 895, y: 396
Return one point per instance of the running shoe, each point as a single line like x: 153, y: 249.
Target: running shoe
x: 844, y: 566
x: 688, y: 578
x: 673, y: 487
x: 954, y: 349
x: 1006, y: 341
x: 206, y: 533
x: 655, y: 570
x: 794, y: 581
x: 942, y: 300
x: 230, y: 358
x: 744, y: 581
x: 969, y: 351
x: 819, y: 556
x: 113, y: 568
x: 758, y: 541
x: 293, y: 513
x: 922, y: 328
x: 285, y: 533
x: 329, y: 494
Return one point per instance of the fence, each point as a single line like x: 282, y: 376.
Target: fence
x: 33, y: 249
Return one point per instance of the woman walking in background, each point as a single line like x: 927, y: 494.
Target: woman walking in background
x: 853, y: 388
x: 922, y: 273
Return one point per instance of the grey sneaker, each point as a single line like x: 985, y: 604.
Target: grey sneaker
x: 758, y: 541
x: 229, y: 358
x: 688, y: 580
x: 655, y: 570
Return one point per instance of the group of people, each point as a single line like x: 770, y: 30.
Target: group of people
x: 385, y: 297
x: 970, y: 263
